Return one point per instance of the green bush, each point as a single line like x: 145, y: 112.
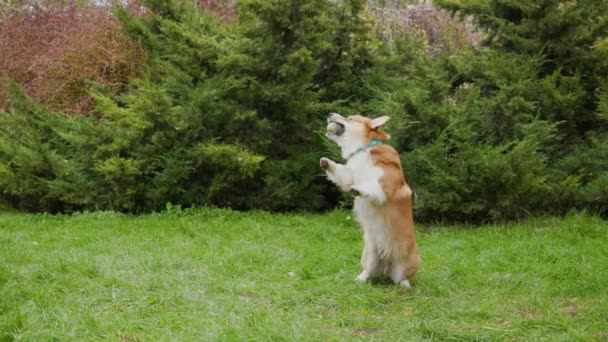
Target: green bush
x: 225, y: 115
x: 231, y: 114
x: 513, y: 127
x: 473, y: 145
x: 568, y: 36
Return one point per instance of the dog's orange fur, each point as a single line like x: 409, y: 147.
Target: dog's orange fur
x: 383, y: 199
x: 398, y: 208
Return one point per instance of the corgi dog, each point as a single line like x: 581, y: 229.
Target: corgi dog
x: 383, y: 199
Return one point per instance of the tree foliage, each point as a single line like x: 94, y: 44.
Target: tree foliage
x: 231, y: 114
x: 225, y: 115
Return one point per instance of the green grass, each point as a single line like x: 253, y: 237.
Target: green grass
x: 221, y: 275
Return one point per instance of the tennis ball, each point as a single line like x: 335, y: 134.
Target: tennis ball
x: 333, y: 127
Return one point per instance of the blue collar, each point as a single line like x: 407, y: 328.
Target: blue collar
x: 361, y: 149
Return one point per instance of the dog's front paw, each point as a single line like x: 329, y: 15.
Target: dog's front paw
x: 325, y: 163
x: 354, y: 192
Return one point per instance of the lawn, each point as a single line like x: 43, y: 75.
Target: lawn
x: 211, y: 274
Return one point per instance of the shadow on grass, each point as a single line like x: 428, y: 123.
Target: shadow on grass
x: 386, y: 281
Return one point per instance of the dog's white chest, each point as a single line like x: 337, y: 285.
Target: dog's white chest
x: 366, y: 177
x: 363, y: 169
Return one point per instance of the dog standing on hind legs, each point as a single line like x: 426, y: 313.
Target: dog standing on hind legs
x: 383, y: 199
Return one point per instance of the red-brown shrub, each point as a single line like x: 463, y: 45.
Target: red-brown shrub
x: 225, y: 10
x: 52, y: 51
x: 444, y: 33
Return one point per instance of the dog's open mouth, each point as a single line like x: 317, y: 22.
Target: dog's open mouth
x: 335, y: 128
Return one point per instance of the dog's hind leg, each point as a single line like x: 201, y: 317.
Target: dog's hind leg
x: 404, y: 267
x: 370, y: 262
x: 398, y: 275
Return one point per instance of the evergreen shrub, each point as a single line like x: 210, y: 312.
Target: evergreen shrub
x: 225, y: 114
x: 232, y: 114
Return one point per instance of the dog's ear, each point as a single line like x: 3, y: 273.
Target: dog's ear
x: 378, y: 122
